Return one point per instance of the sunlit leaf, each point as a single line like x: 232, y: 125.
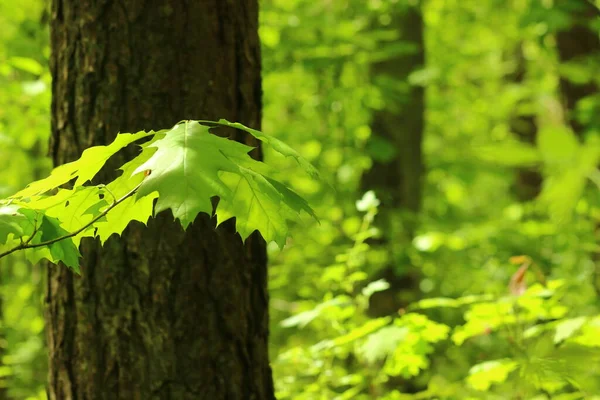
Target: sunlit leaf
x: 190, y: 166
x: 567, y: 328
x: 484, y: 375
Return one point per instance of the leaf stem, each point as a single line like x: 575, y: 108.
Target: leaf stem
x: 27, y: 244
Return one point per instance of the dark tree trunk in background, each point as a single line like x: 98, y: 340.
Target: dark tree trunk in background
x: 158, y: 314
x: 398, y: 182
x: 577, y: 43
x: 528, y: 182
x: 4, y: 382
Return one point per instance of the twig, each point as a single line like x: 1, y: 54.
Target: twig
x: 27, y: 245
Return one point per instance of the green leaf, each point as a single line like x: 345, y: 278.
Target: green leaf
x: 567, y: 328
x: 566, y: 182
x: 49, y: 229
x: 258, y: 204
x: 383, y: 342
x: 184, y: 170
x: 12, y: 221
x: 187, y: 165
x: 405, y: 345
x: 27, y: 64
x: 191, y: 165
x: 437, y: 302
x: 63, y: 250
x: 361, y: 331
x: 374, y: 287
x: 484, y: 375
x: 84, y: 169
x: 552, y: 367
x: 449, y: 302
x: 136, y: 208
x: 557, y: 144
x: 590, y: 333
x: 301, y: 319
x: 275, y: 144
x: 512, y: 153
x: 293, y: 203
x: 132, y: 209
x: 304, y: 318
x: 74, y: 208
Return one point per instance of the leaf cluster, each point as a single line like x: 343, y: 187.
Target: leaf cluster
x: 180, y: 169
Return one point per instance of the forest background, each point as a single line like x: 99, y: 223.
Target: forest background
x: 457, y: 250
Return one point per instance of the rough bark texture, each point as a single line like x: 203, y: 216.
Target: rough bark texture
x: 158, y: 314
x: 398, y: 183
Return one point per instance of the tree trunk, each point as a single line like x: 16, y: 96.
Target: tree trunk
x: 575, y: 44
x: 398, y: 182
x: 158, y: 313
x: 529, y: 180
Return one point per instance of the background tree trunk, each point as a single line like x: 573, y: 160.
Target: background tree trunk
x: 577, y: 43
x: 398, y: 181
x: 159, y: 313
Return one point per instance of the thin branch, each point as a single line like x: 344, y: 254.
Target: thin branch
x: 27, y: 244
x: 35, y: 231
x: 109, y: 191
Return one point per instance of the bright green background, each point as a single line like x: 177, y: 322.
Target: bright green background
x: 472, y: 338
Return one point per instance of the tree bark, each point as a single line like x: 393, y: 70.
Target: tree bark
x: 159, y: 313
x: 398, y: 182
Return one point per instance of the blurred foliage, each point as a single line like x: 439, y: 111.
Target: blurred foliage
x: 486, y: 328
x: 24, y: 132
x: 509, y: 286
